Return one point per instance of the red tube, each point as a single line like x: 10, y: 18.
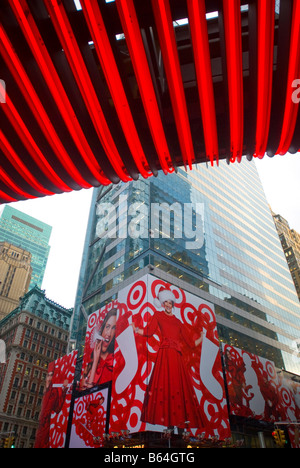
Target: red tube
x: 43, y: 59
x: 71, y: 49
x: 265, y: 43
x: 199, y: 34
x: 14, y: 64
x: 291, y: 106
x: 19, y: 166
x: 233, y: 43
x: 135, y: 45
x: 105, y: 54
x: 165, y: 29
x: 31, y: 146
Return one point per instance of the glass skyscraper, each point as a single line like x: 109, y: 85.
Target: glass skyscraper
x: 209, y: 231
x: 29, y: 233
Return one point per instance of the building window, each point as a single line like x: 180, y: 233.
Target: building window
x: 16, y: 382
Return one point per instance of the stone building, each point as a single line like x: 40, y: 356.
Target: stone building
x: 35, y: 334
x: 290, y: 241
x: 15, y: 276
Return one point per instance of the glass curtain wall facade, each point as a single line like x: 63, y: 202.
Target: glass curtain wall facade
x: 29, y: 233
x: 209, y: 230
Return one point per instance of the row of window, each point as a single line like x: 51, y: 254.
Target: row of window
x: 13, y: 254
x: 41, y: 349
x: 23, y: 412
x: 26, y: 385
x: 46, y: 329
x: 21, y: 431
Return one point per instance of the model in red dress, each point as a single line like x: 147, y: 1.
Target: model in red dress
x: 170, y: 399
x: 100, y: 368
x: 53, y: 401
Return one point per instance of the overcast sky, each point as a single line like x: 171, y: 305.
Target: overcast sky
x: 68, y: 215
x: 280, y: 178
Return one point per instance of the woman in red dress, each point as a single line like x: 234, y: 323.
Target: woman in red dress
x: 53, y: 401
x: 170, y: 399
x: 100, y: 368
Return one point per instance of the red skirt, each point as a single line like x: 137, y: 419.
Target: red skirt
x: 170, y: 399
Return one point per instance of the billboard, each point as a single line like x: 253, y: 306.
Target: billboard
x: 93, y: 394
x: 152, y: 362
x: 290, y: 394
x: 256, y: 389
x: 98, y: 358
x: 153, y: 354
x: 90, y: 419
x: 55, y: 411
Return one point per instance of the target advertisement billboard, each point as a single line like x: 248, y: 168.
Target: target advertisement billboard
x: 258, y: 390
x: 151, y: 362
x: 56, y: 404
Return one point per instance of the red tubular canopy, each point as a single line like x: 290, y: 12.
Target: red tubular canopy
x: 95, y: 92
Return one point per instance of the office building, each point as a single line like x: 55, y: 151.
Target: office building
x: 15, y: 276
x: 35, y: 334
x: 208, y: 234
x: 290, y: 241
x: 30, y: 234
x: 239, y: 266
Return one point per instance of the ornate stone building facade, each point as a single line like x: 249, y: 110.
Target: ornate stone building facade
x: 15, y: 276
x: 35, y: 334
x: 290, y: 241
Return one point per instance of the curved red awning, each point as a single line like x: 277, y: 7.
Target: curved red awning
x: 93, y: 92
